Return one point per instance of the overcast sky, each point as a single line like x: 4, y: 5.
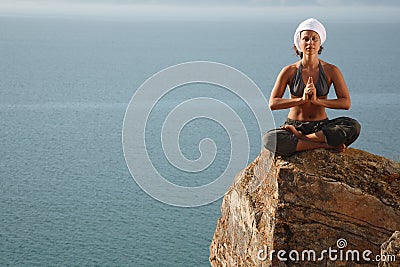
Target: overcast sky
x: 335, y: 10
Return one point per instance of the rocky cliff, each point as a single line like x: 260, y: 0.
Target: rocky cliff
x: 316, y: 208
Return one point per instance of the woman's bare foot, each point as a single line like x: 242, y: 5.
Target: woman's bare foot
x: 340, y: 148
x: 293, y: 130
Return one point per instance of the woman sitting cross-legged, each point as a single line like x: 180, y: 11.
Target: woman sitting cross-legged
x: 307, y: 126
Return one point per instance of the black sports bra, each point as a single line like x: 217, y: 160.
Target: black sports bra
x: 297, y: 86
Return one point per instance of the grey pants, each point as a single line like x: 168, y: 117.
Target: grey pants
x: 338, y: 131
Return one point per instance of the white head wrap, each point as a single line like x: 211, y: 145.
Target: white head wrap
x: 309, y: 24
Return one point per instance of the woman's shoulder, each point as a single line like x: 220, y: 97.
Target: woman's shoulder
x: 290, y: 69
x: 329, y: 67
x: 331, y: 71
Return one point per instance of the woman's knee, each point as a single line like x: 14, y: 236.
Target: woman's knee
x: 342, y: 130
x: 356, y: 126
x: 353, y: 125
x: 280, y: 141
x: 269, y: 140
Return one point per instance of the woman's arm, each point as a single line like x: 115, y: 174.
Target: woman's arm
x: 342, y: 93
x: 276, y: 101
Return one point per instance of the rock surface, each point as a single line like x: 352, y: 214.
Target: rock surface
x: 390, y: 251
x: 347, y: 204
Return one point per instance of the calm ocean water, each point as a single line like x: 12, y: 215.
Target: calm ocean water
x: 67, y: 197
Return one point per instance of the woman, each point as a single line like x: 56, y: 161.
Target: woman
x: 307, y: 126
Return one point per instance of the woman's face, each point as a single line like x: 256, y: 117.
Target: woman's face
x: 309, y: 42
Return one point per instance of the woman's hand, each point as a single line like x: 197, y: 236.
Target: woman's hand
x: 310, y: 92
